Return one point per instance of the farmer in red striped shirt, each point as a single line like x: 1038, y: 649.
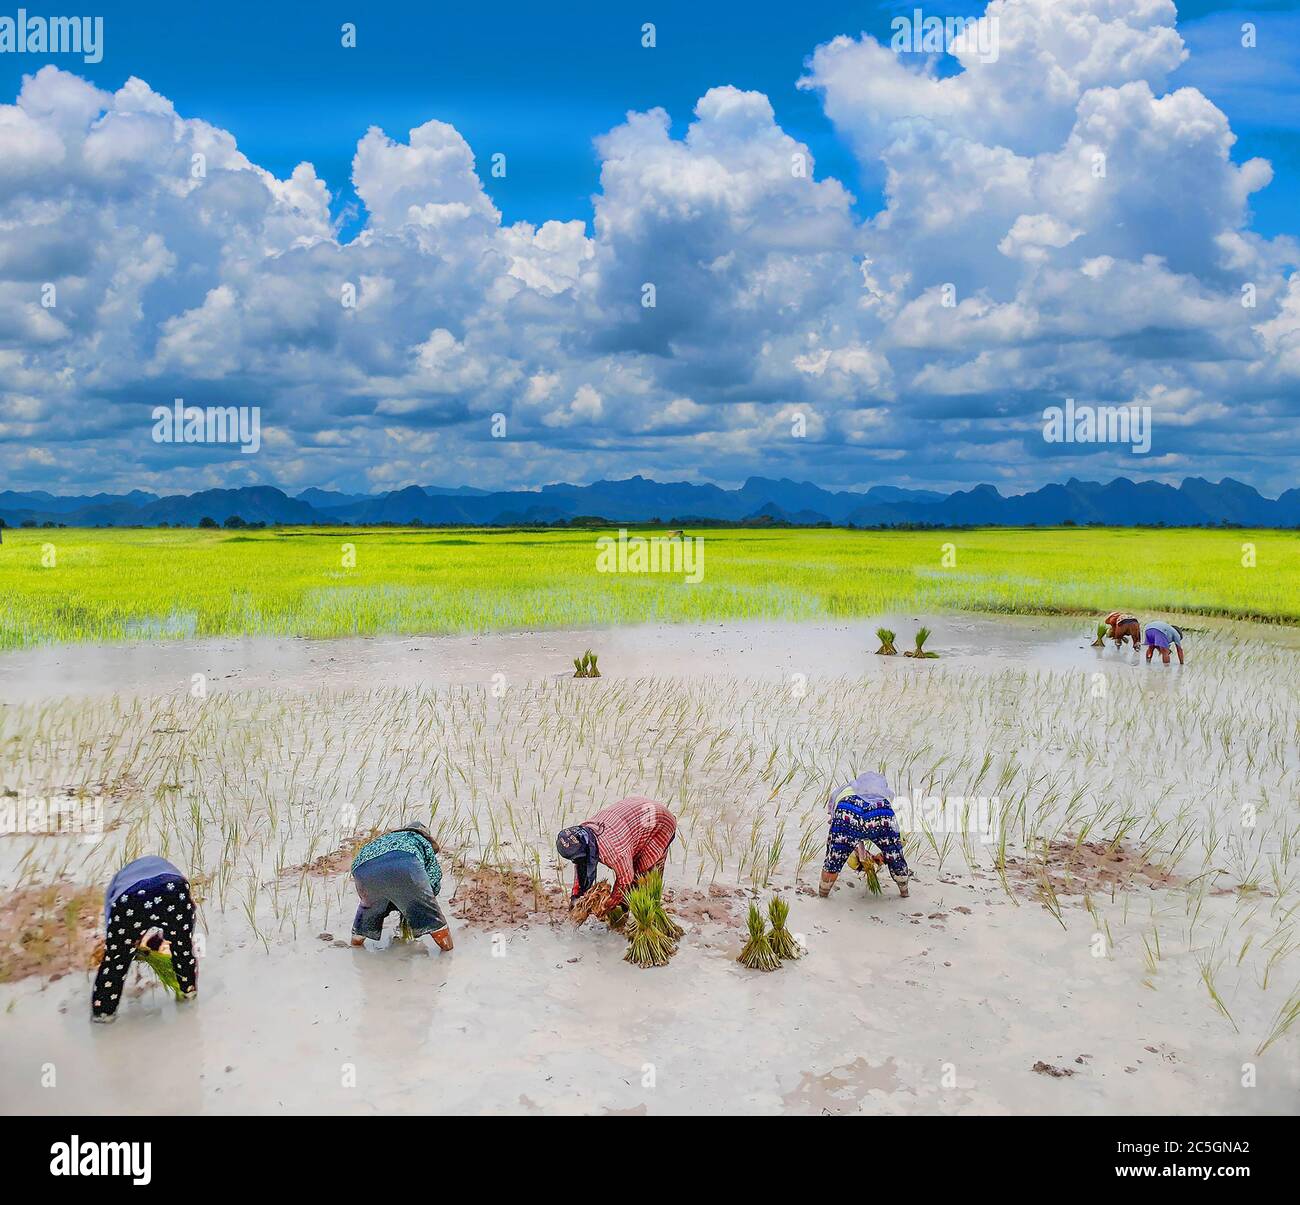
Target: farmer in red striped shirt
x: 631, y: 837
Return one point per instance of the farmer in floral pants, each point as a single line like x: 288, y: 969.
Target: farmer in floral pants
x: 861, y: 811
x: 147, y: 903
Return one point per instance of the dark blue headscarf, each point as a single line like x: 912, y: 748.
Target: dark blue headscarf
x: 578, y: 844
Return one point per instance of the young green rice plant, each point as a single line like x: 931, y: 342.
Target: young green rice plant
x: 161, y: 965
x: 585, y: 666
x: 867, y: 866
x: 886, y: 638
x: 922, y: 635
x: 784, y: 945
x: 1100, y: 642
x: 1285, y: 1019
x: 758, y: 954
x: 653, y: 882
x: 649, y: 946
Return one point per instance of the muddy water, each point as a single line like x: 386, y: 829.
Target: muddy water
x: 738, y: 650
x: 941, y: 1003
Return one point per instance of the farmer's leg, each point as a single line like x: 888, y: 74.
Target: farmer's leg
x: 839, y: 844
x: 178, y: 930
x: 883, y: 832
x: 121, y: 937
x: 375, y: 904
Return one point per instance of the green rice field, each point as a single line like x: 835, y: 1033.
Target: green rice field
x: 73, y: 584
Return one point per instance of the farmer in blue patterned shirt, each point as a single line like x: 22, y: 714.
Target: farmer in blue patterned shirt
x: 399, y: 872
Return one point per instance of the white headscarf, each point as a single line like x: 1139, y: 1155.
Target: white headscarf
x: 870, y: 783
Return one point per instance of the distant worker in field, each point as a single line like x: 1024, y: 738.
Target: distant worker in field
x: 399, y: 872
x: 862, y: 811
x: 1162, y: 636
x: 148, y: 907
x: 1124, y: 627
x: 631, y: 837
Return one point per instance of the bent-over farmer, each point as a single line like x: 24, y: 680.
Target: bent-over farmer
x: 399, y: 872
x: 631, y: 837
x: 862, y: 811
x: 148, y: 903
x: 1164, y: 636
x: 1124, y: 627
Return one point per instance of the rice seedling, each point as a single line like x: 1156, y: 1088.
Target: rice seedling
x: 782, y: 940
x: 653, y: 882
x: 1100, y: 642
x: 758, y: 954
x: 886, y: 638
x: 868, y: 868
x: 1286, y: 1017
x: 585, y: 666
x: 922, y: 635
x: 161, y: 965
x: 649, y: 945
x: 593, y: 902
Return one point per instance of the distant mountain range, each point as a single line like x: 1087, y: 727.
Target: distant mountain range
x: 1196, y: 502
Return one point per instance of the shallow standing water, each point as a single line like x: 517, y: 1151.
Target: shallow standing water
x: 939, y: 1003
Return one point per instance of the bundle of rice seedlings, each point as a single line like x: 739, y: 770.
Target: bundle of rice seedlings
x: 585, y: 666
x: 886, y: 638
x: 758, y: 954
x: 404, y: 931
x: 1100, y: 642
x: 922, y: 635
x: 161, y: 965
x: 654, y: 883
x: 783, y: 943
x: 866, y: 866
x: 649, y: 946
x: 593, y: 902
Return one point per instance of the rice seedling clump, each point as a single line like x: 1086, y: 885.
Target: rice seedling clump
x: 784, y: 945
x: 161, y: 965
x: 922, y: 635
x: 649, y: 946
x: 758, y: 954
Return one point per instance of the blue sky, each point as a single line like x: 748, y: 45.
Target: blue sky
x: 540, y: 86
x: 880, y: 389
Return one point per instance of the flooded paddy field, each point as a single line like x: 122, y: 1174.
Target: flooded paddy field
x: 1104, y: 915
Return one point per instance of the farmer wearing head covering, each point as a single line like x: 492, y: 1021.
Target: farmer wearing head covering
x: 399, y: 872
x: 631, y: 837
x: 860, y: 811
x: 147, y: 903
x: 1124, y: 626
x: 1162, y: 636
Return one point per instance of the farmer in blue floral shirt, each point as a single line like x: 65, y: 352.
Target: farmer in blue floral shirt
x: 399, y: 872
